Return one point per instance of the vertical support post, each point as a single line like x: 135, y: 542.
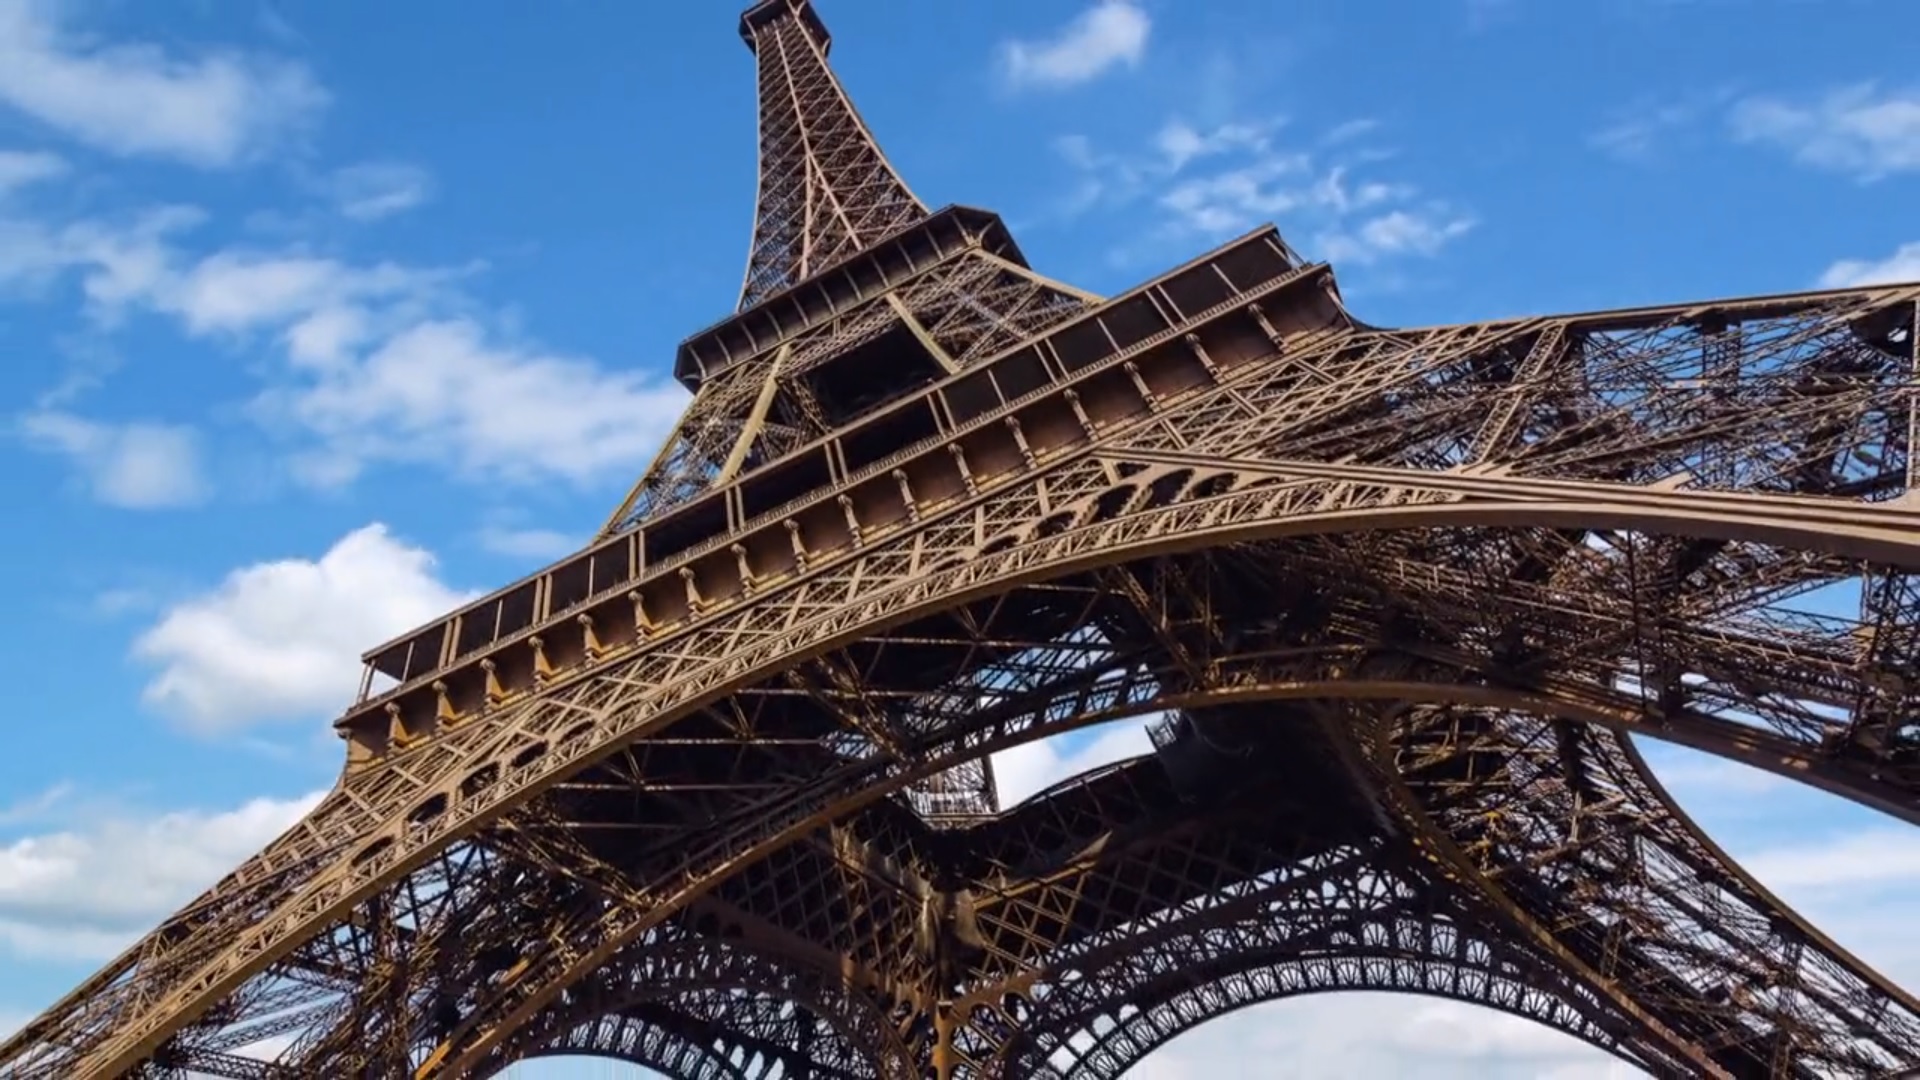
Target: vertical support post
x: 945, y: 1061
x: 1913, y: 396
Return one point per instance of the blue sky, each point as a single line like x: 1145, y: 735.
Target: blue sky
x: 315, y: 317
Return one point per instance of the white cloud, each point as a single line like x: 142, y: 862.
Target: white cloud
x: 115, y: 258
x: 1111, y: 33
x: 136, y: 466
x: 241, y: 291
x: 1901, y: 266
x: 442, y: 392
x: 1397, y: 232
x: 1236, y: 199
x: 368, y: 363
x: 378, y: 189
x: 1861, y: 129
x: 540, y: 544
x: 1633, y: 134
x: 213, y: 110
x: 1349, y: 130
x: 1180, y: 143
x: 87, y: 891
x: 1210, y: 183
x: 1033, y: 767
x: 1852, y: 861
x: 33, y: 807
x: 18, y: 168
x: 281, y: 640
x: 381, y: 363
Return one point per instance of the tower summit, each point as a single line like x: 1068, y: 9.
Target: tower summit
x: 855, y: 294
x: 826, y: 188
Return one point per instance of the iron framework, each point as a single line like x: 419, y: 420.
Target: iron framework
x: 713, y: 794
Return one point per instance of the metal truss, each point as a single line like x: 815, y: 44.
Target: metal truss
x: 826, y: 190
x: 711, y: 1036
x: 712, y: 794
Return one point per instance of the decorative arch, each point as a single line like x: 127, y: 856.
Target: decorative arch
x: 713, y: 1009
x: 1109, y: 1051
x: 715, y: 1035
x: 1357, y: 921
x: 650, y: 1044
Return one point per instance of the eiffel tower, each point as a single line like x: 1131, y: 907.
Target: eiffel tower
x: 712, y: 794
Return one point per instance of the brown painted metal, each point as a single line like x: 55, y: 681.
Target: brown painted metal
x: 712, y: 796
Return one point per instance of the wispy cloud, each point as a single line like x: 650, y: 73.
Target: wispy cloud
x: 1392, y: 234
x: 377, y: 362
x: 132, y: 465
x: 1861, y: 130
x: 1210, y: 182
x: 378, y: 189
x: 531, y: 543
x: 33, y: 807
x: 1111, y: 33
x: 212, y: 110
x: 19, y: 168
x: 1879, y: 858
x: 85, y: 891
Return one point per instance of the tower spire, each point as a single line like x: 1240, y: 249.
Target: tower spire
x: 826, y: 189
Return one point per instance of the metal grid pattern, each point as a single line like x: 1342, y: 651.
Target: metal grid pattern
x: 712, y: 795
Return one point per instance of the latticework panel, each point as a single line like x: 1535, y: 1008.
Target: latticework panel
x: 826, y: 190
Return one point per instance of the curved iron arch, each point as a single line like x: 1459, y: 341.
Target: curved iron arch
x: 648, y: 1044
x: 705, y: 980
x: 613, y: 939
x: 1052, y: 556
x: 1282, y: 940
x: 702, y: 1035
x: 1124, y: 1044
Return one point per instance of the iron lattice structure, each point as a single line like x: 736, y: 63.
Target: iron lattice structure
x: 711, y: 795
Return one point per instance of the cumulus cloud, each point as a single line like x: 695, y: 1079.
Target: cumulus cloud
x: 1901, y: 266
x: 212, y: 110
x: 1862, y: 130
x: 135, y: 466
x: 281, y: 640
x: 87, y: 891
x: 1110, y: 34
